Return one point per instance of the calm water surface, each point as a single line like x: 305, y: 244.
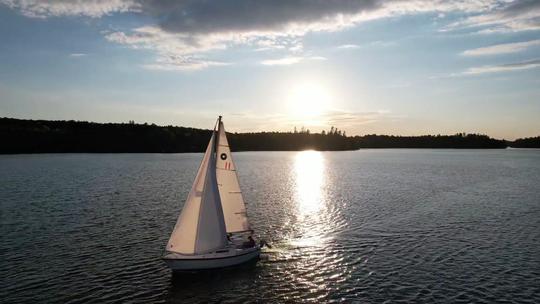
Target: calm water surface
x: 367, y: 226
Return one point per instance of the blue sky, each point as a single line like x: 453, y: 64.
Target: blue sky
x: 386, y: 67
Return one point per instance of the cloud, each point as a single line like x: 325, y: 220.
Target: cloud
x: 56, y: 8
x: 349, y: 119
x: 173, y: 50
x: 506, y: 16
x: 185, y: 34
x: 501, y: 48
x: 292, y: 44
x: 376, y: 43
x: 524, y: 65
x: 349, y: 46
x: 290, y: 60
x: 344, y: 120
x: 293, y: 17
x: 183, y: 64
x: 282, y: 61
x: 77, y: 55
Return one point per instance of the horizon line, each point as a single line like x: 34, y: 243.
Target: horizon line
x: 273, y: 131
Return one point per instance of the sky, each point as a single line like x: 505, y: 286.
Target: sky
x: 400, y: 67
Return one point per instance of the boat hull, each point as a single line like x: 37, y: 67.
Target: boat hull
x: 179, y: 262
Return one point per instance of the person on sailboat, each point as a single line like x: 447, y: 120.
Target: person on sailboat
x: 250, y: 242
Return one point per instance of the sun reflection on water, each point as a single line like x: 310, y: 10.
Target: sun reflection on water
x: 309, y: 169
x: 310, y: 198
x: 310, y: 263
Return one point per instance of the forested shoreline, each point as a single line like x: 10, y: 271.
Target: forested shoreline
x: 46, y: 136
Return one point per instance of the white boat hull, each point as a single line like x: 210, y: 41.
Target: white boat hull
x: 219, y: 259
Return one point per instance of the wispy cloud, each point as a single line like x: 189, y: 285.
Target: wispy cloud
x: 524, y: 65
x: 77, y: 55
x: 90, y: 8
x: 377, y: 43
x: 504, y: 16
x: 282, y: 61
x: 380, y: 43
x: 349, y: 46
x: 501, y: 48
x: 290, y: 60
x: 185, y: 64
x: 344, y: 120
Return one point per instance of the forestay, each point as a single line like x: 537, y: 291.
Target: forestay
x: 200, y: 228
x: 234, y: 209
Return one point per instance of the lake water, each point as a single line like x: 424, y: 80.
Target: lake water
x: 367, y: 226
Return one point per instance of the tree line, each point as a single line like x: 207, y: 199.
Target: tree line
x: 529, y: 142
x: 45, y: 136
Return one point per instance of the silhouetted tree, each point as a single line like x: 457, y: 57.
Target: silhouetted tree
x: 528, y: 142
x: 42, y: 136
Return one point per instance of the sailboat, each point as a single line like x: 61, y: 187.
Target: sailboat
x: 212, y: 231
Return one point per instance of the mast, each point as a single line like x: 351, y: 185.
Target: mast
x: 216, y: 143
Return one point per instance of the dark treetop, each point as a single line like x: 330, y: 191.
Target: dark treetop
x: 529, y: 142
x: 44, y: 136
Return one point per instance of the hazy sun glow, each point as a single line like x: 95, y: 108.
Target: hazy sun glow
x: 308, y: 101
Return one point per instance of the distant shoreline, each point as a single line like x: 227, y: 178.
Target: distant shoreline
x: 22, y: 136
x: 245, y: 151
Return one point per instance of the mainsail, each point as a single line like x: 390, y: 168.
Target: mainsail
x: 200, y: 228
x: 234, y: 209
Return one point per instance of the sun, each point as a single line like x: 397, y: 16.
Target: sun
x: 308, y: 101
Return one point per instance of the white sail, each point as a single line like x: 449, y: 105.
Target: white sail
x: 200, y: 228
x: 234, y: 209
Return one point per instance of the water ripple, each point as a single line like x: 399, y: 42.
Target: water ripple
x: 385, y: 226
